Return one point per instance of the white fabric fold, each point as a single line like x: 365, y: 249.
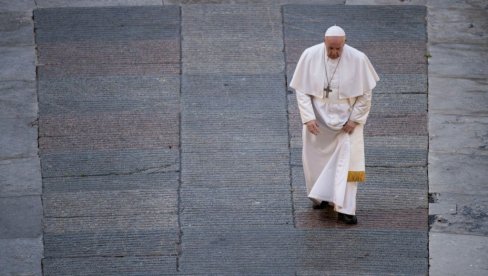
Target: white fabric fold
x: 357, y: 74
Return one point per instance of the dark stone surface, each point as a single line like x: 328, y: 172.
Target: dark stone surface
x: 20, y: 217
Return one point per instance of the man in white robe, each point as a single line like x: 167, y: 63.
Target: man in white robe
x: 333, y: 84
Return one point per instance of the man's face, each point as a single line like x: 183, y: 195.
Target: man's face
x: 334, y: 45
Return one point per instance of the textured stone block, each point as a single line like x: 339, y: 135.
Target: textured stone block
x: 17, y: 63
x: 21, y: 256
x: 20, y: 177
x: 448, y: 58
x: 16, y: 28
x: 236, y: 40
x: 130, y: 52
x: 19, y: 137
x: 95, y: 3
x: 114, y: 131
x: 109, y: 94
x: 21, y: 217
x: 458, y: 134
x: 112, y: 162
x: 109, y: 70
x: 87, y: 17
x: 17, y: 6
x: 140, y: 265
x: 457, y: 173
x: 454, y: 96
x: 18, y: 99
x: 396, y: 151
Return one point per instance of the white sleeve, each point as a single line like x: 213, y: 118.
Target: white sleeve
x: 305, y: 106
x: 361, y: 108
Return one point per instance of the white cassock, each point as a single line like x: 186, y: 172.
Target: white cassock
x: 333, y: 161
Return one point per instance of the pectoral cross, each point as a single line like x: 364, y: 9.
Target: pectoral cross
x: 327, y: 90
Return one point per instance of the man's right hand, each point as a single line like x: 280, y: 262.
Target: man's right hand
x: 313, y: 127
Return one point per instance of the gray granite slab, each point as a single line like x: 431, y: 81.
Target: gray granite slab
x: 254, y: 2
x: 458, y: 134
x: 20, y: 217
x: 97, y: 94
x: 458, y: 25
x: 152, y: 181
x: 455, y: 96
x: 458, y: 61
x: 21, y: 256
x: 109, y: 203
x: 234, y: 39
x: 386, y: 2
x: 17, y: 63
x: 16, y: 28
x: 396, y: 151
x: 457, y: 173
x: 19, y: 135
x: 18, y: 99
x: 109, y: 162
x: 49, y: 72
x: 20, y: 177
x: 467, y: 250
x: 95, y: 3
x: 129, y: 265
x: 111, y: 243
x: 17, y: 6
x: 466, y: 216
x: 84, y: 18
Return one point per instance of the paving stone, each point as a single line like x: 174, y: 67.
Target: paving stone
x: 131, y: 52
x: 139, y: 265
x: 49, y: 72
x: 396, y: 125
x: 111, y: 131
x: 453, y: 96
x: 467, y: 250
x: 455, y: 25
x: 16, y: 28
x: 19, y: 5
x: 20, y: 134
x: 254, y: 2
x: 20, y: 177
x: 17, y: 63
x: 113, y: 162
x: 20, y: 217
x: 95, y: 3
x: 280, y: 251
x: 237, y: 39
x: 386, y: 2
x: 152, y: 181
x: 18, y: 99
x: 448, y: 58
x: 467, y: 214
x: 457, y: 173
x: 471, y: 134
x: 140, y: 95
x: 258, y: 203
x: 110, y: 243
x: 396, y: 151
x: 21, y: 256
x: 72, y: 18
x: 457, y: 4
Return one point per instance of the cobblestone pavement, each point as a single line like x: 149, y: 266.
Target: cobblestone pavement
x: 170, y: 144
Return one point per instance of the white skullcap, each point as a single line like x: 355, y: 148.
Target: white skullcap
x: 335, y: 31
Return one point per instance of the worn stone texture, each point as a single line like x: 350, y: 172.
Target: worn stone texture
x: 20, y: 217
x: 95, y: 3
x: 21, y: 256
x: 138, y: 265
x: 447, y: 59
x: 17, y: 63
x: 20, y: 177
x: 471, y: 134
x: 254, y: 2
x: 20, y: 134
x: 232, y: 39
x: 474, y: 249
x: 457, y: 173
x: 16, y: 28
x: 18, y: 99
x: 17, y: 6
x: 386, y: 2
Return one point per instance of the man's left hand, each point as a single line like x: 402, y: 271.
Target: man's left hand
x: 349, y: 127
